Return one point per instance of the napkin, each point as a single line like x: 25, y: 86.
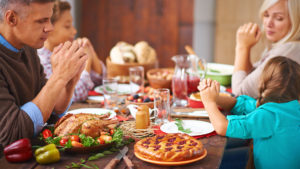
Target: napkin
x: 157, y: 131
x: 229, y: 90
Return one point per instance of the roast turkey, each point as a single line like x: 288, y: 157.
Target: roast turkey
x: 88, y: 124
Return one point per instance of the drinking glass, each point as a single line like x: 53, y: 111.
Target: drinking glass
x: 162, y: 106
x: 136, y: 76
x: 110, y: 90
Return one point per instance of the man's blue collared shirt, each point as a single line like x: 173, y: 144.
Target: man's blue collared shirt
x: 30, y: 108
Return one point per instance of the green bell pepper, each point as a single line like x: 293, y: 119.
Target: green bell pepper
x: 47, y: 154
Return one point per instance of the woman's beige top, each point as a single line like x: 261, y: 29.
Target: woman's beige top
x: 247, y: 84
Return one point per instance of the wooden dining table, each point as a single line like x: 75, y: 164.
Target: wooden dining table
x: 214, y: 145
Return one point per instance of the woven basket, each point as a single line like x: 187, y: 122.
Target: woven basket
x: 114, y: 69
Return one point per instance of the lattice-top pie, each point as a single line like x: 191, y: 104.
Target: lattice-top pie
x: 169, y: 148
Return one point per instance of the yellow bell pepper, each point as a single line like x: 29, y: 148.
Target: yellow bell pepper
x: 47, y: 154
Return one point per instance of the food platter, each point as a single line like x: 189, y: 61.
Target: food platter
x: 85, y: 150
x: 171, y: 163
x: 79, y: 150
x: 83, y: 131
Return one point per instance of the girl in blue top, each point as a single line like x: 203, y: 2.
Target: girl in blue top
x: 272, y: 121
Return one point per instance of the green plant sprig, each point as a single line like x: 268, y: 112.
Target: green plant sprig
x: 179, y: 124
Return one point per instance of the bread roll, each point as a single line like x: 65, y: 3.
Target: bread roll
x: 122, y: 53
x: 144, y: 52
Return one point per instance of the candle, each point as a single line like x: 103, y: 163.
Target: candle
x: 140, y: 120
x: 146, y: 109
x: 142, y: 117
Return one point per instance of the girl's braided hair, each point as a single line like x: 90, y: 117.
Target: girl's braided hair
x: 280, y: 81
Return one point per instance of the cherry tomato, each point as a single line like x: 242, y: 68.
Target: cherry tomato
x: 63, y: 141
x: 106, y: 138
x: 100, y: 140
x: 75, y: 138
x: 76, y: 144
x: 111, y: 131
x: 47, y: 133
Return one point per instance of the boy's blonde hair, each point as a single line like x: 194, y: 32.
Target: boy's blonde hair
x: 280, y: 81
x: 294, y: 15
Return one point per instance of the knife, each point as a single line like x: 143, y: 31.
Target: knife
x: 116, y: 159
x: 126, y: 159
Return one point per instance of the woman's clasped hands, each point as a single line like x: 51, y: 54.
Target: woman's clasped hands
x: 248, y: 35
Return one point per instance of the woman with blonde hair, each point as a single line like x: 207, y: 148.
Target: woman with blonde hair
x: 65, y: 31
x: 272, y: 121
x: 281, y: 32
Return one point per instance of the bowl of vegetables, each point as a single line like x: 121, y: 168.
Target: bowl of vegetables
x: 220, y: 72
x: 80, y: 143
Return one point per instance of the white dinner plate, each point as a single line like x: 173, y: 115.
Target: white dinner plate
x: 122, y: 89
x: 98, y: 111
x: 199, y: 113
x: 196, y: 126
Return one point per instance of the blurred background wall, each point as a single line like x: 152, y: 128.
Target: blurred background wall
x: 167, y: 25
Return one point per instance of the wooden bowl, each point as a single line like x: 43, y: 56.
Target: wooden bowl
x: 115, y: 69
x: 130, y: 100
x: 157, y: 80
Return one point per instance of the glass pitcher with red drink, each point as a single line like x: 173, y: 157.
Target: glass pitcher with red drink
x: 189, y: 70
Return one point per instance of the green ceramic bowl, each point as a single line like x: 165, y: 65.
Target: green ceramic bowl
x: 220, y: 72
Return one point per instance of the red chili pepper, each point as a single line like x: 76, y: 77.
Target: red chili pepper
x: 47, y: 133
x: 18, y: 151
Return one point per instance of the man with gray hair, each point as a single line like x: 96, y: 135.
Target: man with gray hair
x: 26, y: 98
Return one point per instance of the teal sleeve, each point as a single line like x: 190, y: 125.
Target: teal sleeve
x: 244, y: 105
x: 258, y: 124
